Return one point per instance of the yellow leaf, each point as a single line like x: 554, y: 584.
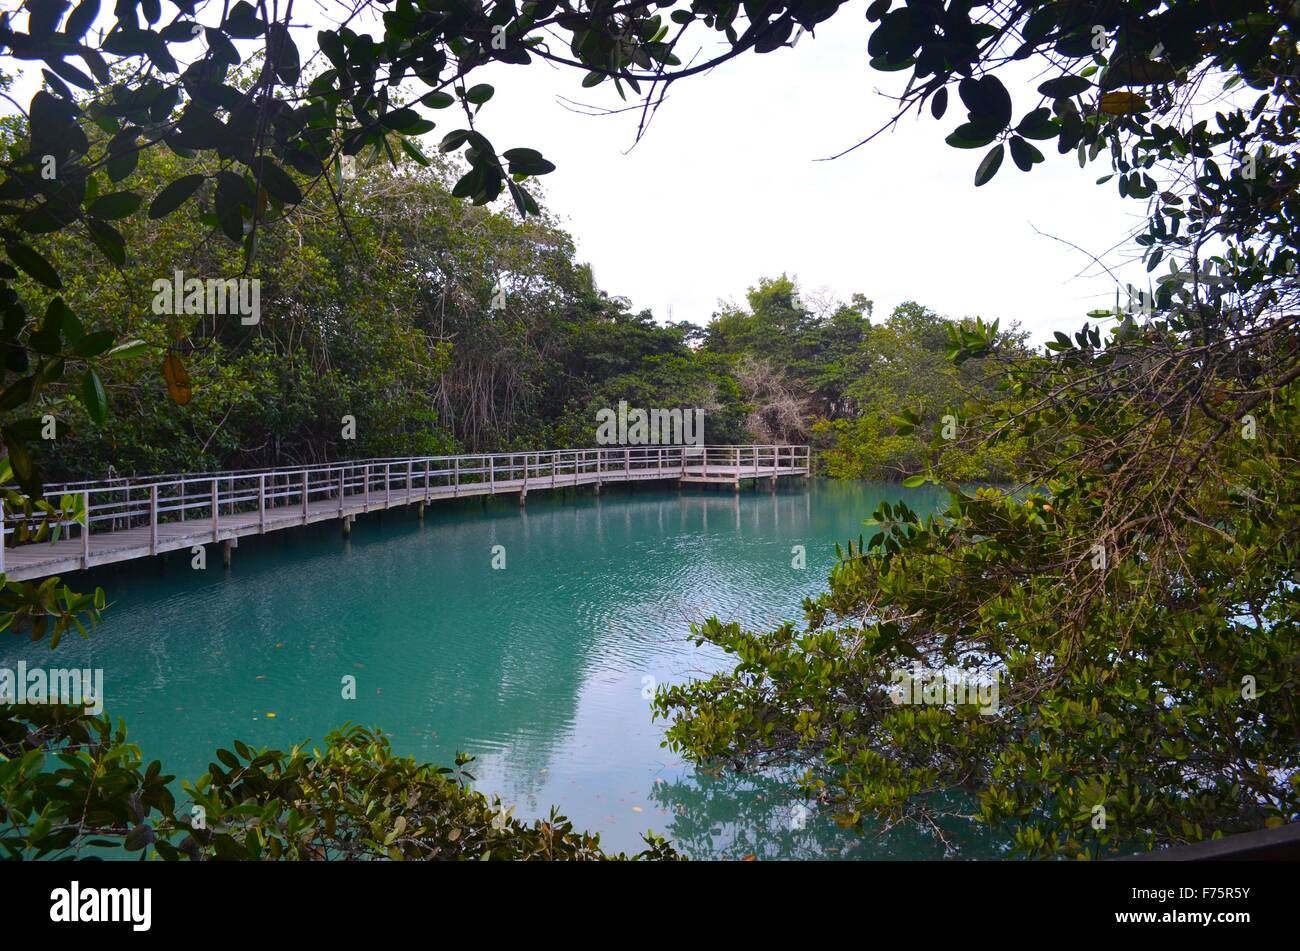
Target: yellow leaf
x: 178, y: 380
x: 1122, y: 103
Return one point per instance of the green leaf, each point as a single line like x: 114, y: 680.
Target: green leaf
x: 20, y: 460
x: 527, y: 162
x: 990, y: 165
x: 116, y: 205
x: 973, y: 135
x: 939, y: 103
x: 108, y: 239
x: 34, y: 263
x: 132, y: 348
x: 93, y: 395
x: 987, y: 99
x: 80, y: 19
x: 1064, y: 86
x: 174, y: 195
x: 479, y: 94
x: 438, y: 100
x: 1023, y: 154
x: 281, y: 45
x: 911, y: 482
x: 276, y: 181
x: 453, y: 140
x: 93, y: 344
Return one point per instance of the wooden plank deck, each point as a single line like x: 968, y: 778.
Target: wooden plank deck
x: 141, y: 518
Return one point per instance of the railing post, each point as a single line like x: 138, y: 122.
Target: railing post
x: 388, y: 484
x: 306, y: 476
x: 627, y: 464
x: 153, y: 519
x: 427, y: 464
x: 492, y: 476
x: 408, y: 480
x: 85, y: 531
x: 455, y: 477
x: 366, y: 475
x: 261, y: 502
x: 182, y: 488
x: 342, y: 488
x: 216, y: 509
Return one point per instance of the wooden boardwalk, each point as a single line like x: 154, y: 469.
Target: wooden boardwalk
x: 146, y: 516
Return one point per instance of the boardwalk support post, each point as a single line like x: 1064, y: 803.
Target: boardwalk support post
x: 227, y: 549
x: 85, y: 532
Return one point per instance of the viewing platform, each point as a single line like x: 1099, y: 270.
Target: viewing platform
x: 139, y: 517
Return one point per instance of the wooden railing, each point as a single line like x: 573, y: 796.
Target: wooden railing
x: 207, y: 497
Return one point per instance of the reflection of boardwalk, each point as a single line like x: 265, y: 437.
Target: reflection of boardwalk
x: 139, y: 517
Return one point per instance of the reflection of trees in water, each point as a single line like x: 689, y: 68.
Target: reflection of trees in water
x: 731, y: 816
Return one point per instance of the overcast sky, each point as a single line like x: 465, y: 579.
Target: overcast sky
x: 727, y: 187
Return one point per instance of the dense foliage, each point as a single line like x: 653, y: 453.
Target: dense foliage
x: 379, y: 309
x: 1134, y: 598
x: 71, y: 785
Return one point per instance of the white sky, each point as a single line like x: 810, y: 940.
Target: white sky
x: 726, y: 188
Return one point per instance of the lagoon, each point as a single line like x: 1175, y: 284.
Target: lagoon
x: 540, y: 670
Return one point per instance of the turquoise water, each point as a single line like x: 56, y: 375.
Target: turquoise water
x: 538, y: 670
